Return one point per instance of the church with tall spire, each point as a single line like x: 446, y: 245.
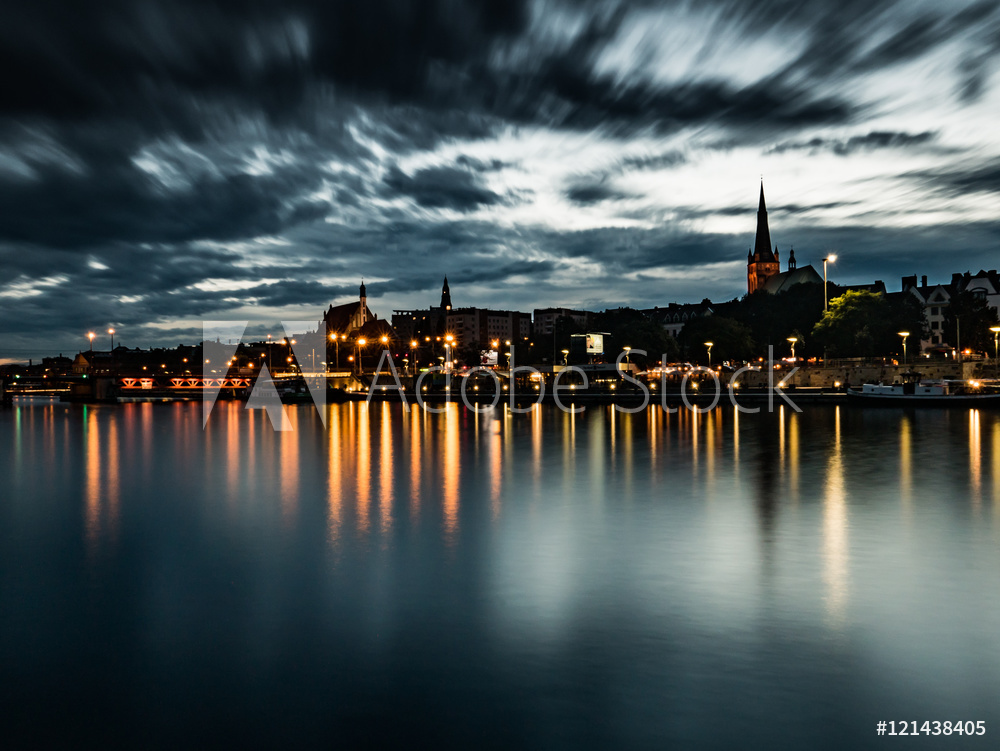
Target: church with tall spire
x: 764, y: 273
x: 762, y: 262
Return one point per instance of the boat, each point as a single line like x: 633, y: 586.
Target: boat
x: 913, y: 392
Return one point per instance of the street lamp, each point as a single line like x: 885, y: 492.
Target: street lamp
x: 996, y: 359
x: 91, y: 335
x: 336, y: 345
x: 904, y: 334
x: 112, y: 332
x: 709, y: 345
x: 792, y: 340
x: 829, y: 259
x: 361, y: 343
x: 628, y: 365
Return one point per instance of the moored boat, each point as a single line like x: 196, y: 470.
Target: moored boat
x: 926, y: 394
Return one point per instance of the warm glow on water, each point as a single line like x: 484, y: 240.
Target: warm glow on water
x: 592, y: 580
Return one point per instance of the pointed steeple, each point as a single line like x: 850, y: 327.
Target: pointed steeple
x: 362, y: 293
x: 762, y: 244
x: 791, y: 259
x: 446, y: 295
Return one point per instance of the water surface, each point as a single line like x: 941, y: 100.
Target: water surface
x: 599, y: 580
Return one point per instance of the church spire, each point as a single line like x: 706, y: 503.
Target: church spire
x: 762, y: 244
x: 446, y: 295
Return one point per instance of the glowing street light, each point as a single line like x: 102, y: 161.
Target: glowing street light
x: 112, y: 332
x: 904, y: 334
x: 361, y: 343
x: 996, y: 359
x: 449, y: 342
x: 709, y: 345
x: 829, y: 259
x: 91, y: 335
x: 792, y: 340
x: 628, y: 364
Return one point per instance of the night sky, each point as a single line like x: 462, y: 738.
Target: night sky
x: 162, y: 163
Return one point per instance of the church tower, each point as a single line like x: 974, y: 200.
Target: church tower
x: 363, y: 307
x: 762, y: 262
x: 445, y: 296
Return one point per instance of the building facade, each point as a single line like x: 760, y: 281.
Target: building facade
x: 544, y: 319
x: 481, y: 327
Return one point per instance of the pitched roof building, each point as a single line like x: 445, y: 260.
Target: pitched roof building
x: 349, y: 317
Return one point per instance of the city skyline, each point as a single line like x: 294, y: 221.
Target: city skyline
x: 160, y: 166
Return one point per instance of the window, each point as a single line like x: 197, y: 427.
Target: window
x: 935, y: 311
x: 935, y: 324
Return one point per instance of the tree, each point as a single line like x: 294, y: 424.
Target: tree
x: 731, y: 340
x: 774, y: 318
x: 967, y: 321
x: 867, y: 324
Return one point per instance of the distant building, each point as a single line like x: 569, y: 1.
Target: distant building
x: 480, y: 327
x: 347, y: 318
x: 763, y: 268
x: 676, y: 315
x: 788, y: 279
x: 935, y: 298
x: 544, y: 319
x: 419, y: 324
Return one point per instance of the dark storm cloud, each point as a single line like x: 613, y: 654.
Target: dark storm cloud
x: 659, y: 161
x: 441, y: 188
x: 116, y: 202
x: 867, y: 142
x: 971, y: 178
x: 588, y: 193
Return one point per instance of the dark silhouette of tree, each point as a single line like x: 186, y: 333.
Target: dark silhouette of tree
x: 867, y: 324
x: 630, y: 328
x: 731, y: 340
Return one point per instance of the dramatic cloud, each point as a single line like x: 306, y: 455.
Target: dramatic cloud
x: 161, y: 162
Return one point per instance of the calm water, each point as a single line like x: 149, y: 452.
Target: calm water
x: 531, y: 581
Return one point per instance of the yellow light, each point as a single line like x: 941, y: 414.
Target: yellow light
x: 449, y: 338
x: 384, y: 339
x: 414, y: 343
x: 362, y: 342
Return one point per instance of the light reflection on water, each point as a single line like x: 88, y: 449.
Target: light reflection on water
x: 575, y: 580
